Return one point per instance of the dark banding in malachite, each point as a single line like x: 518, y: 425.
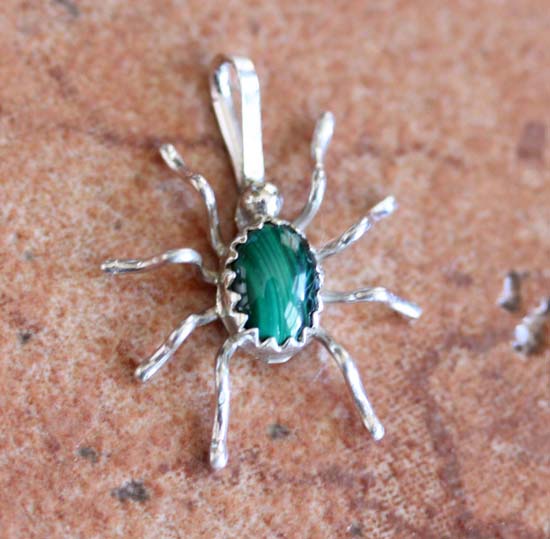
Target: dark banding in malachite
x: 277, y: 279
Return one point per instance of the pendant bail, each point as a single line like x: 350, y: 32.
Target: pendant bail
x: 233, y: 75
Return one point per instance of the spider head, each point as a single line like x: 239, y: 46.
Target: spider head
x: 258, y: 202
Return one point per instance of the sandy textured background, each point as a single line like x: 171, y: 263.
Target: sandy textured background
x: 445, y: 105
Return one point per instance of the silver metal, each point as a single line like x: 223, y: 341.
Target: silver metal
x: 260, y: 203
x: 164, y: 353
x: 322, y: 135
x: 175, y: 161
x: 528, y: 333
x: 324, y: 129
x: 218, y: 445
x: 174, y: 256
x: 510, y: 298
x: 383, y: 209
x: 353, y: 381
x: 376, y: 294
x: 242, y: 136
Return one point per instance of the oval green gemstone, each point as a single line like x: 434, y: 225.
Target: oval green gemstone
x: 278, y: 282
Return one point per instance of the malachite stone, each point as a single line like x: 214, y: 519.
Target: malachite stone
x: 278, y: 282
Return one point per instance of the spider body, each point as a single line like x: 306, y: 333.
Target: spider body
x: 269, y: 286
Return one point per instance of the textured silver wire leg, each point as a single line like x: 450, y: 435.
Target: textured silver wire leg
x: 218, y: 445
x: 383, y: 209
x: 353, y: 381
x: 174, y: 256
x: 324, y: 129
x: 175, y: 161
x: 377, y: 294
x: 165, y: 352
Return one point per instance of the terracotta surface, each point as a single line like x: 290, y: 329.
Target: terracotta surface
x: 444, y: 105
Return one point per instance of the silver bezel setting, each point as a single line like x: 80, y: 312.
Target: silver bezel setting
x: 269, y: 350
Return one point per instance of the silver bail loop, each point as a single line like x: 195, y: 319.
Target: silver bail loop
x: 243, y: 137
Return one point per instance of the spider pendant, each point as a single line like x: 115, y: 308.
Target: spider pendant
x: 269, y: 284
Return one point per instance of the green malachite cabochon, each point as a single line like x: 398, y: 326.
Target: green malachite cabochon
x: 277, y: 279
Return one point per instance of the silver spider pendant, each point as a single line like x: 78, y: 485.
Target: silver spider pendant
x: 270, y: 280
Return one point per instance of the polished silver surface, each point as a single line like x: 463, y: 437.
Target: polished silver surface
x: 164, y: 353
x: 322, y: 135
x: 234, y: 86
x: 383, y: 209
x: 353, y: 381
x: 261, y: 201
x: 376, y: 294
x: 236, y: 99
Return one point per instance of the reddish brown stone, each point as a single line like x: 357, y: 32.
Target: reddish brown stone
x: 431, y: 100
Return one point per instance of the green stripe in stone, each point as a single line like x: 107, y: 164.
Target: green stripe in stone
x: 277, y: 279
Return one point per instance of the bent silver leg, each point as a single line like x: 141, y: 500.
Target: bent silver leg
x: 383, y: 209
x: 322, y: 136
x: 377, y: 294
x: 174, y: 256
x: 353, y: 381
x: 165, y: 352
x: 175, y: 161
x: 218, y: 445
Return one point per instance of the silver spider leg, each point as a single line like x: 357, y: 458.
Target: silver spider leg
x: 174, y: 256
x: 322, y: 136
x: 383, y: 209
x: 376, y: 294
x: 353, y: 381
x: 175, y: 161
x: 218, y: 445
x: 164, y: 353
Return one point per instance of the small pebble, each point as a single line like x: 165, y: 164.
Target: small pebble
x: 510, y: 296
x: 528, y: 333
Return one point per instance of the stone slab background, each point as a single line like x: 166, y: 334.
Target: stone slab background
x: 443, y: 104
